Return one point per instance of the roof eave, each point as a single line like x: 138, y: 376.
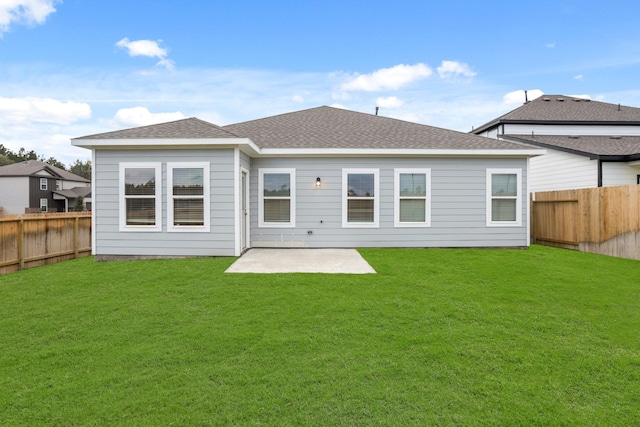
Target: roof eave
x: 388, y: 152
x: 245, y: 144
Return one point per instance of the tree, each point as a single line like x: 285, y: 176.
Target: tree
x: 79, y: 205
x: 54, y: 162
x: 81, y: 168
x: 4, y: 160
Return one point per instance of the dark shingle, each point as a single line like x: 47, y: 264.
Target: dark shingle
x: 185, y: 128
x: 560, y: 108
x: 594, y: 145
x: 335, y: 128
x: 32, y: 167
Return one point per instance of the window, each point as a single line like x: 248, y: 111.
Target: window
x: 277, y: 189
x: 412, y: 206
x: 504, y: 188
x: 360, y: 200
x: 188, y: 202
x: 58, y: 184
x: 44, y: 205
x: 140, y: 197
x: 43, y: 183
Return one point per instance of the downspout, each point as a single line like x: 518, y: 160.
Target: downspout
x: 599, y: 173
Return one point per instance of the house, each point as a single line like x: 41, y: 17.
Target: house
x: 318, y: 178
x: 34, y: 186
x: 589, y: 143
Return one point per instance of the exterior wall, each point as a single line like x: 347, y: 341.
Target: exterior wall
x: 558, y: 170
x: 68, y: 185
x: 619, y: 173
x: 35, y: 193
x: 14, y: 194
x: 458, y: 200
x: 525, y: 129
x: 109, y: 241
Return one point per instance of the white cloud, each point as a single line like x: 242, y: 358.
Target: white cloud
x: 298, y: 98
x: 579, y: 77
x: 451, y: 69
x: 389, y: 78
x: 30, y: 12
x: 551, y: 45
x: 148, y: 48
x: 518, y: 96
x: 141, y: 116
x: 389, y: 102
x: 43, y: 110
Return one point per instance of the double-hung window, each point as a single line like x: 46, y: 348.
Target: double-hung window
x: 360, y: 197
x: 277, y: 190
x: 188, y: 206
x: 504, y: 197
x: 412, y: 207
x: 140, y: 197
x: 44, y: 205
x: 43, y: 184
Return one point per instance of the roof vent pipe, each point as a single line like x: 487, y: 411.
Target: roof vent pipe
x: 526, y: 97
x: 618, y: 107
x: 377, y: 110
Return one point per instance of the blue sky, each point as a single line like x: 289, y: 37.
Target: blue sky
x: 75, y: 67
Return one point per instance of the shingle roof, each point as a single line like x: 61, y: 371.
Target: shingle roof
x: 75, y: 192
x: 560, y: 108
x: 590, y: 145
x: 32, y: 167
x: 328, y: 127
x: 185, y: 128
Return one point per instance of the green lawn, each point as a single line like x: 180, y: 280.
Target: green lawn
x: 438, y: 337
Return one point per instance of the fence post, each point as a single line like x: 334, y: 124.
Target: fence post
x: 532, y: 220
x: 21, y: 244
x: 76, y: 243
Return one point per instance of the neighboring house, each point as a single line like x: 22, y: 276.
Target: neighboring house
x: 589, y: 143
x: 34, y: 186
x: 318, y: 178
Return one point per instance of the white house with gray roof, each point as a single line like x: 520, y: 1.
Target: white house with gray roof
x: 318, y: 178
x: 589, y: 143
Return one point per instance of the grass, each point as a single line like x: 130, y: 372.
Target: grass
x: 438, y: 337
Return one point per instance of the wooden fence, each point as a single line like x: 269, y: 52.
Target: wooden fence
x: 602, y: 220
x: 33, y: 240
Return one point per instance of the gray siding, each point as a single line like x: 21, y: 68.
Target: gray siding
x: 14, y: 194
x: 458, y: 214
x: 220, y: 241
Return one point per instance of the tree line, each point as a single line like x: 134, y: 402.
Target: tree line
x: 8, y: 156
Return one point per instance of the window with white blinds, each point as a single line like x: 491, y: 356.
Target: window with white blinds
x: 412, y: 206
x: 276, y: 191
x: 188, y: 199
x: 504, y: 197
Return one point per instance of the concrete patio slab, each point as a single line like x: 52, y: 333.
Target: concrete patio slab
x: 333, y: 261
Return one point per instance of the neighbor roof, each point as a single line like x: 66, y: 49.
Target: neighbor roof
x: 32, y: 167
x: 75, y: 192
x: 185, y: 128
x: 336, y: 128
x: 593, y: 146
x: 567, y: 110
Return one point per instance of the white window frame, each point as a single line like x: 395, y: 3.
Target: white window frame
x: 157, y: 166
x: 44, y: 184
x: 44, y: 203
x: 205, y: 197
x: 292, y: 198
x: 427, y: 198
x: 376, y: 198
x: 58, y: 184
x: 517, y: 197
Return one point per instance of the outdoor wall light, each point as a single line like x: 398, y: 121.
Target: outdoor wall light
x: 318, y: 182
